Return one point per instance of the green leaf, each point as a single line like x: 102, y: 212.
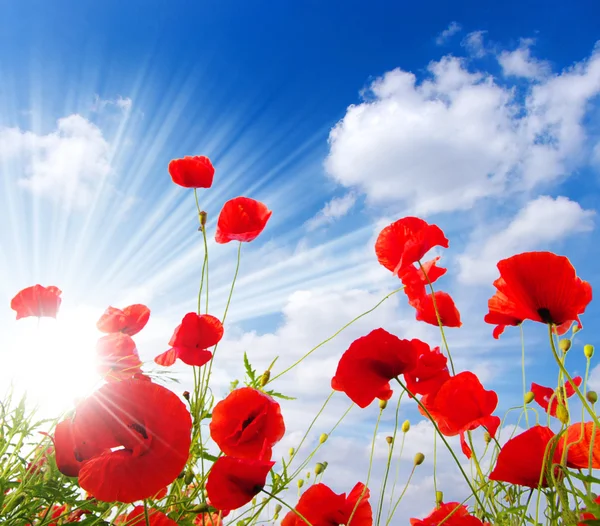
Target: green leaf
x: 249, y: 371
x: 275, y: 394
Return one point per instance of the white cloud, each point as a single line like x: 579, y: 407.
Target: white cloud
x: 67, y: 165
x: 122, y: 103
x: 520, y: 63
x: 538, y: 224
x: 449, y: 32
x: 334, y: 209
x: 474, y: 44
x: 445, y: 142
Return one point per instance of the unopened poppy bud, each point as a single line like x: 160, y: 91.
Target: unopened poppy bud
x: 265, y: 377
x: 575, y: 329
x: 200, y: 508
x: 487, y: 438
x: 278, y: 508
x: 439, y: 497
x: 189, y: 477
x: 529, y: 396
x: 319, y: 468
x: 419, y: 459
x: 300, y: 483
x: 564, y: 345
x: 275, y: 516
x: 562, y: 414
x: 592, y: 397
x: 181, y: 475
x: 405, y: 426
x: 588, y: 350
x: 186, y: 395
x: 389, y: 440
x: 325, y: 463
x: 254, y: 501
x: 202, y: 216
x: 323, y: 438
x: 292, y: 451
x: 308, y: 474
x: 382, y: 404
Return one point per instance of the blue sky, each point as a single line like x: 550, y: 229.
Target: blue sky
x: 495, y: 138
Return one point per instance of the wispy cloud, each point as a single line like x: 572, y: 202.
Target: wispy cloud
x: 333, y: 210
x: 520, y: 62
x: 448, y: 33
x: 474, y: 44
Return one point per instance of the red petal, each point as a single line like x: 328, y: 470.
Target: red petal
x: 192, y: 172
x: 241, y: 219
x: 580, y: 439
x: 155, y: 518
x: 444, y: 304
x: 167, y: 358
x: 37, y: 301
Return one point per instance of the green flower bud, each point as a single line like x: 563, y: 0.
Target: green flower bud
x: 382, y: 404
x: 319, y: 468
x: 588, y: 350
x: 564, y: 345
x: 264, y: 379
x: 529, y: 396
x: 419, y: 459
x: 487, y: 438
x: 278, y: 508
x: 323, y: 438
x: 189, y: 477
x: 592, y: 397
x: 405, y: 426
x: 300, y: 483
x: 562, y: 413
x: 202, y: 216
x: 200, y: 508
x: 389, y: 440
x: 292, y: 451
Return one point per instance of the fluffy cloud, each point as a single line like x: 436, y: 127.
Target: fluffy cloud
x: 334, y: 209
x: 538, y: 224
x: 448, y: 33
x: 520, y: 63
x: 457, y: 136
x: 67, y: 165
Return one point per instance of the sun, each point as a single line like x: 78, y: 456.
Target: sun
x: 52, y: 360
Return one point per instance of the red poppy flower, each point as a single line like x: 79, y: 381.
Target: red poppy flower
x: 366, y: 368
x: 548, y: 397
x: 444, y: 304
x: 580, y: 439
x: 538, y: 286
x: 192, y: 172
x: 462, y: 404
x: 241, y: 219
x: 416, y: 280
x: 448, y: 514
x: 37, y: 301
x: 142, y: 431
x: 321, y: 506
x: 117, y: 357
x: 68, y: 453
x: 430, y: 372
x: 155, y: 518
x: 247, y: 424
x: 233, y: 482
x: 521, y: 459
x: 130, y: 320
x: 406, y: 241
x: 208, y: 519
x: 190, y: 340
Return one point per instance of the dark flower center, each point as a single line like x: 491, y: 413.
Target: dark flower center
x: 544, y: 314
x: 139, y: 429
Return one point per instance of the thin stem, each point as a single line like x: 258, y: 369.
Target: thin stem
x: 401, y: 495
x: 336, y: 333
x: 304, y: 519
x: 146, y: 517
x: 523, y: 374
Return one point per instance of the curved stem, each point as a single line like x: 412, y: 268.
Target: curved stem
x: 302, y: 517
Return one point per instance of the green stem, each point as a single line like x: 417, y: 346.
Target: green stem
x: 302, y: 517
x: 523, y: 374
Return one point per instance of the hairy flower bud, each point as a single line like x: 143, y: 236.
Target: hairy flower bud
x: 592, y: 397
x: 189, y: 477
x: 202, y: 216
x: 292, y: 451
x: 529, y: 396
x: 319, y: 468
x: 588, y: 350
x: 323, y: 438
x: 200, y: 508
x: 382, y: 404
x: 487, y: 438
x: 562, y: 413
x: 300, y: 483
x: 389, y: 440
x: 278, y: 508
x: 419, y: 458
x: 564, y: 345
x: 405, y: 426
x: 264, y: 379
x: 186, y: 395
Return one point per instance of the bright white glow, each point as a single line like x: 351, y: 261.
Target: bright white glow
x: 52, y: 360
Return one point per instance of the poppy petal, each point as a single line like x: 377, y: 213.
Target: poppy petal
x: 192, y: 172
x: 241, y: 219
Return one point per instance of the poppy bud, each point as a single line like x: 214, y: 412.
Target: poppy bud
x: 292, y: 451
x: 200, y: 508
x: 319, y: 468
x: 275, y: 516
x: 419, y: 459
x: 186, y: 395
x: 202, y: 216
x: 325, y: 463
x: 439, y: 497
x: 308, y: 474
x: 389, y: 440
x: 405, y: 426
x: 300, y: 483
x: 277, y: 508
x: 564, y: 345
x: 487, y: 437
x: 588, y: 350
x: 264, y: 379
x: 382, y: 404
x: 592, y: 397
x: 181, y: 475
x: 562, y: 414
x: 189, y: 477
x: 575, y: 329
x: 323, y: 438
x: 529, y: 396
x: 234, y: 384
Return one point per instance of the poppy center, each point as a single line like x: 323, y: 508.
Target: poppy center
x: 544, y: 314
x: 139, y: 428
